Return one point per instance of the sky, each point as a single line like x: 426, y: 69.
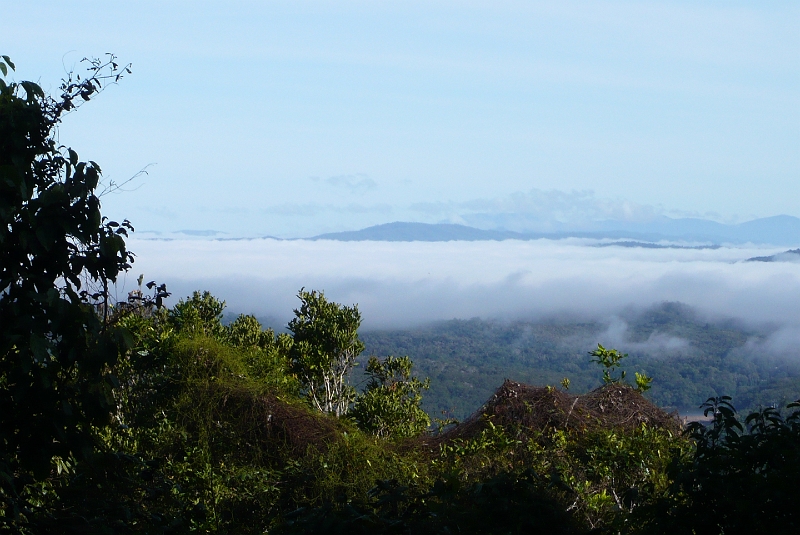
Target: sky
x: 290, y: 119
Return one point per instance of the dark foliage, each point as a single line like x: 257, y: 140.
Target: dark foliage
x: 742, y: 478
x: 57, y: 257
x: 113, y: 493
x: 503, y: 504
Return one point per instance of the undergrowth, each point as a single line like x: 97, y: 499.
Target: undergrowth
x: 214, y: 434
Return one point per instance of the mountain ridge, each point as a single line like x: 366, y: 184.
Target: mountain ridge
x: 776, y: 230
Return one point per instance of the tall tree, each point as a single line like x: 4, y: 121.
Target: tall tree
x: 324, y: 350
x: 58, y: 256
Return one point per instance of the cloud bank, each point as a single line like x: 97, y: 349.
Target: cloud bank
x: 406, y: 283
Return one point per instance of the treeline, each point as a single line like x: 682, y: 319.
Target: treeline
x: 135, y: 418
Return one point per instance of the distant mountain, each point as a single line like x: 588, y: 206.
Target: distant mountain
x: 432, y: 232
x: 777, y: 230
x: 792, y: 255
x: 400, y: 231
x: 782, y: 230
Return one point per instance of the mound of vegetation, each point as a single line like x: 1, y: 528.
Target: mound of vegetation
x: 540, y: 410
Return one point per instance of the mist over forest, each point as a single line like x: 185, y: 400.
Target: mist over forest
x: 403, y: 284
x: 690, y: 356
x: 703, y: 321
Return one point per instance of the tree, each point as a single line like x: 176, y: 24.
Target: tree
x: 199, y: 314
x: 740, y: 478
x: 390, y: 405
x: 324, y: 350
x: 58, y: 256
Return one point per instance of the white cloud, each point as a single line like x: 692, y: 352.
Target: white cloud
x: 317, y: 209
x: 398, y: 284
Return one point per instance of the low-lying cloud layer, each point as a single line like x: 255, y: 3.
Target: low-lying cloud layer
x: 405, y: 283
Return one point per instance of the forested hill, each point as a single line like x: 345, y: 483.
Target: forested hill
x: 690, y: 359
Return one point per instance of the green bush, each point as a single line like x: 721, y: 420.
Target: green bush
x: 390, y: 405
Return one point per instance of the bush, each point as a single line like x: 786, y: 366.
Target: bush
x: 390, y: 405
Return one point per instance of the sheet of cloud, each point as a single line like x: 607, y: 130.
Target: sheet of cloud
x: 405, y: 283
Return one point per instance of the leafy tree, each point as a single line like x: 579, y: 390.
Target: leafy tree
x: 643, y: 382
x: 324, y: 351
x: 390, y: 405
x: 263, y: 352
x: 199, y: 314
x: 246, y: 331
x: 58, y: 256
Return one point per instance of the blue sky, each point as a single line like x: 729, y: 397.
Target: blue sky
x: 296, y: 118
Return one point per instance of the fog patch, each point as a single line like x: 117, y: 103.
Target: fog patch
x: 788, y: 256
x: 782, y: 342
x: 399, y: 284
x: 658, y: 344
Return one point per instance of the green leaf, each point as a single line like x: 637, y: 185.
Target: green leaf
x: 39, y: 347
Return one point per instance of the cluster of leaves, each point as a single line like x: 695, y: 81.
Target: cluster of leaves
x: 742, y: 477
x: 505, y: 503
x: 230, y: 422
x: 194, y: 389
x: 610, y: 360
x: 499, y: 482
